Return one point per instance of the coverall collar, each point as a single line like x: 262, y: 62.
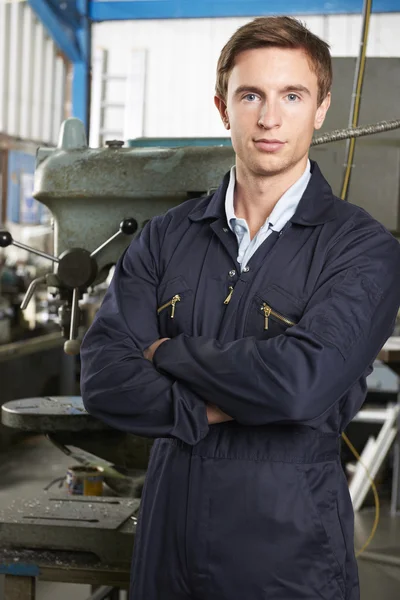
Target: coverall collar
x: 315, y: 208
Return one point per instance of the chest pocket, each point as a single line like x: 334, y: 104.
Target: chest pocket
x: 272, y: 311
x: 175, y: 307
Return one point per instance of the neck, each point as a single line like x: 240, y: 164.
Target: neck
x: 257, y: 195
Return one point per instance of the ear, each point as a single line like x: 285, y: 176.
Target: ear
x: 321, y: 112
x: 223, y: 111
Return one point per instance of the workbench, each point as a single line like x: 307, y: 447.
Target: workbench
x: 22, y: 568
x: 71, y: 539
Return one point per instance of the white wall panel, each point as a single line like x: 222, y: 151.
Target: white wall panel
x: 14, y: 75
x: 48, y: 95
x: 27, y: 74
x: 38, y: 80
x: 182, y: 57
x: 58, y: 108
x: 30, y: 83
x: 5, y: 11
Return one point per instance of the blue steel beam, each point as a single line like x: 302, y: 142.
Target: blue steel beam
x: 81, y: 74
x: 114, y: 10
x: 62, y: 34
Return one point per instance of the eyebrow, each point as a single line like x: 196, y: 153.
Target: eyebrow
x: 297, y: 88
x: 251, y: 89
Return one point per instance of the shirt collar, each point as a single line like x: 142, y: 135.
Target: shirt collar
x: 282, y: 211
x: 229, y: 199
x: 317, y: 205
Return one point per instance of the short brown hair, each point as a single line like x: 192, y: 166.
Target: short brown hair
x: 281, y: 32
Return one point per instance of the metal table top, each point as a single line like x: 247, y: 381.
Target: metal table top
x: 49, y: 414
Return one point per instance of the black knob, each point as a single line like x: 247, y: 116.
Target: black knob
x: 5, y: 239
x: 128, y: 226
x: 115, y: 143
x: 76, y: 268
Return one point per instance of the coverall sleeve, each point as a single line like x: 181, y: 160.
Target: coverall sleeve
x: 118, y: 385
x: 299, y: 375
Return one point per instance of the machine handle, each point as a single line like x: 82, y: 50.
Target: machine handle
x: 72, y: 346
x: 31, y: 290
x: 6, y: 240
x: 126, y: 227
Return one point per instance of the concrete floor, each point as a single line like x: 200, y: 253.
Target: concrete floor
x: 28, y: 466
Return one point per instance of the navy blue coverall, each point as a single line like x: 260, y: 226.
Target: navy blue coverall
x: 257, y: 508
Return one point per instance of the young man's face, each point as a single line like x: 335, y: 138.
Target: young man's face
x: 272, y: 109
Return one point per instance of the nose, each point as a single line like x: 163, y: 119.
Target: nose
x: 270, y: 116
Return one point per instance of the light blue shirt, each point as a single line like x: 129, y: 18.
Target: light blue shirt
x: 282, y: 212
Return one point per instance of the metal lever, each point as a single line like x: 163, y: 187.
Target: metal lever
x: 126, y: 227
x: 72, y: 346
x: 6, y: 239
x: 31, y: 290
x: 77, y: 269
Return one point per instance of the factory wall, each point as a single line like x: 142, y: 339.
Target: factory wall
x: 156, y: 78
x: 32, y: 76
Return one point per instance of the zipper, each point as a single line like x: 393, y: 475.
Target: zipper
x: 171, y: 303
x: 229, y: 296
x: 268, y: 311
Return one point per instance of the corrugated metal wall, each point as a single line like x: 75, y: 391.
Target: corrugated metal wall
x: 32, y: 76
x: 176, y: 88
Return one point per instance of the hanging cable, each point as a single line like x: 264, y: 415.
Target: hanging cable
x: 374, y: 491
x: 356, y: 97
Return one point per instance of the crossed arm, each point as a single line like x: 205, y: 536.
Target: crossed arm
x: 119, y: 385
x: 214, y: 414
x: 295, y: 377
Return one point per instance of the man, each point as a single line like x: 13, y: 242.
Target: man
x: 239, y: 330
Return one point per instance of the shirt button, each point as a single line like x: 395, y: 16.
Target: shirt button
x: 232, y: 273
x: 246, y: 269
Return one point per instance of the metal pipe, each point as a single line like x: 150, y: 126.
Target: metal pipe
x: 343, y: 134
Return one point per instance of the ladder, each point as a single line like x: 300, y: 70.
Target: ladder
x: 122, y: 119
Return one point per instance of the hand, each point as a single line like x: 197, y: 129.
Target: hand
x: 149, y: 352
x: 216, y: 415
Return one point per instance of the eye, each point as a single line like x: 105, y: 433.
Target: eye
x: 250, y: 97
x: 293, y: 97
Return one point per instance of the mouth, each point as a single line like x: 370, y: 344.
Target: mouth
x: 266, y: 145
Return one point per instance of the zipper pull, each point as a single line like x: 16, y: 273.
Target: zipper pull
x: 174, y: 300
x: 229, y: 296
x: 267, y: 311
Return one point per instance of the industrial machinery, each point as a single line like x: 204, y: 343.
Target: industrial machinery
x: 99, y: 198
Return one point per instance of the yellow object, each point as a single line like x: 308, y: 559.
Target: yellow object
x: 85, y: 481
x: 229, y: 296
x: 267, y: 310
x: 172, y: 303
x: 357, y: 102
x: 376, y: 496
